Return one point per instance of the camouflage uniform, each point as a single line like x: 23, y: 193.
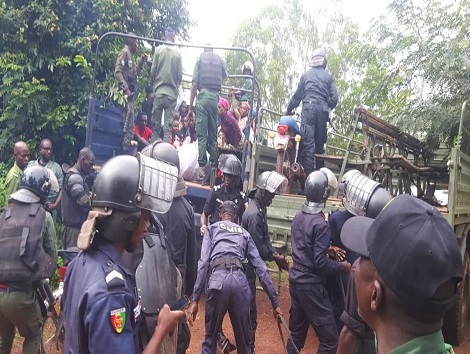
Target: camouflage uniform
x: 125, y: 73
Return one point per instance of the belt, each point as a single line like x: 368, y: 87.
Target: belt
x: 304, y: 269
x: 8, y: 289
x: 225, y: 267
x: 226, y: 262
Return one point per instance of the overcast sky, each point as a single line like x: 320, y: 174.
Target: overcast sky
x: 217, y: 20
x: 215, y: 27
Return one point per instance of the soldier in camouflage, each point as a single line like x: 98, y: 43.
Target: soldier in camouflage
x: 125, y: 73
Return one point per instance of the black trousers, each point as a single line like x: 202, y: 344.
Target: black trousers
x: 310, y: 305
x: 313, y: 130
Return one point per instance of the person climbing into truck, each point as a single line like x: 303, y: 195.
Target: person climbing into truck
x: 317, y: 92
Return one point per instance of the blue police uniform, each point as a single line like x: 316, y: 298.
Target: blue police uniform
x: 310, y: 238
x: 101, y: 309
x: 220, y: 194
x: 254, y: 221
x: 336, y: 221
x: 317, y: 92
x: 345, y: 310
x: 224, y: 248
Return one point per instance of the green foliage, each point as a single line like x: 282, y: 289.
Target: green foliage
x: 429, y: 44
x: 54, y: 281
x: 283, y: 39
x: 280, y: 38
x: 410, y: 68
x: 46, y: 53
x: 4, y: 168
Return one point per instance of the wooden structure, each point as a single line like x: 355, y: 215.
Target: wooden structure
x: 384, y: 153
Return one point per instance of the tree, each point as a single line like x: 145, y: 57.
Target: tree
x: 282, y: 39
x: 429, y: 43
x: 46, y: 53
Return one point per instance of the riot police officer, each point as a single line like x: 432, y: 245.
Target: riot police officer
x: 317, y: 92
x: 224, y: 249
x: 255, y: 221
x: 362, y: 196
x: 310, y: 238
x: 180, y: 237
x: 230, y: 189
x: 28, y: 254
x: 101, y: 309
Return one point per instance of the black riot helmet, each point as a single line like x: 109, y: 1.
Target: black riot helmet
x: 162, y: 151
x: 129, y: 183
x: 362, y: 195
x: 318, y: 187
x: 230, y: 165
x: 35, y: 179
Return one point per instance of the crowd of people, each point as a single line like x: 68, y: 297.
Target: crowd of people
x: 210, y: 124
x: 136, y: 236
x: 398, y: 257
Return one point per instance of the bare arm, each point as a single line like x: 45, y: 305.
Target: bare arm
x: 235, y: 110
x: 192, y: 96
x: 54, y: 205
x: 140, y: 140
x: 203, y: 223
x: 167, y: 321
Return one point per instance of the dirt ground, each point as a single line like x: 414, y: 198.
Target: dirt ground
x: 268, y: 340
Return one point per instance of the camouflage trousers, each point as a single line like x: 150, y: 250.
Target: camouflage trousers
x: 127, y: 113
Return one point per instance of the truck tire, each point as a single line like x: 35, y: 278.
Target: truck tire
x: 456, y: 328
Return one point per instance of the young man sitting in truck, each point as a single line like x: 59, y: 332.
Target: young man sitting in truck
x: 142, y: 133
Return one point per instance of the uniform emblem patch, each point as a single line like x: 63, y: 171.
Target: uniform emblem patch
x: 118, y: 319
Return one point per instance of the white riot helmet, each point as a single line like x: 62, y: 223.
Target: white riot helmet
x: 248, y: 65
x: 270, y: 181
x: 318, y: 58
x: 362, y: 195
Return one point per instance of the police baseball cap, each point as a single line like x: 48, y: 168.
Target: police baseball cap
x: 413, y: 249
x: 228, y: 206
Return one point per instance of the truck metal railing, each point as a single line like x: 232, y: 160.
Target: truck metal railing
x: 459, y: 183
x: 93, y: 102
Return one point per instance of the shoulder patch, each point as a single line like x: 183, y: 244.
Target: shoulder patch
x: 217, y: 187
x: 118, y: 319
x: 114, y: 279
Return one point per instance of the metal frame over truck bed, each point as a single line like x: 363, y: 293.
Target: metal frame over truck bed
x: 395, y: 159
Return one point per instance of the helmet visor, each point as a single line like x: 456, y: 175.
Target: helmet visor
x: 157, y: 184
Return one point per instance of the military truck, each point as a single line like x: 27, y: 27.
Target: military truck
x: 375, y: 147
x: 398, y: 161
x: 104, y: 128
